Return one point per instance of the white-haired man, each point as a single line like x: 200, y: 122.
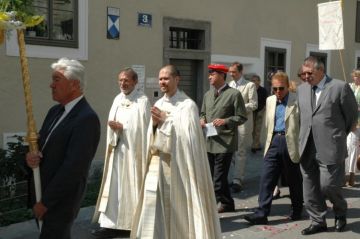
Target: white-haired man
x: 68, y: 141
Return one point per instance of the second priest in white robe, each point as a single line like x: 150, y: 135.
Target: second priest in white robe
x: 178, y: 199
x: 125, y: 162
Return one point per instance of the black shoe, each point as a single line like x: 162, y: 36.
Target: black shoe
x: 295, y: 216
x: 256, y: 220
x: 236, y: 188
x: 277, y: 195
x: 103, y: 233
x: 340, y: 223
x: 314, y: 228
x: 295, y: 213
x: 226, y: 208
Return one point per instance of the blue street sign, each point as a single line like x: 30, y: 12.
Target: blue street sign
x: 144, y: 19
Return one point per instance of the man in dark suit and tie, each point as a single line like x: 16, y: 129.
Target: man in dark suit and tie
x: 328, y: 112
x: 68, y: 140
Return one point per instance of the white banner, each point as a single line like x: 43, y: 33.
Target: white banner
x: 331, y: 33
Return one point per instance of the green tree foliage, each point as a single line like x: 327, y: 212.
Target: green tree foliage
x: 12, y: 162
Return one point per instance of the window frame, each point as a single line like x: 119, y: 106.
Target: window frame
x: 357, y: 59
x: 53, y: 52
x: 55, y: 42
x: 274, y: 43
x: 275, y: 65
x: 186, y: 38
x: 357, y: 22
x: 314, y: 48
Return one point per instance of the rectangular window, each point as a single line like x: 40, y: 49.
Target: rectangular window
x: 60, y: 27
x: 275, y: 60
x: 183, y: 38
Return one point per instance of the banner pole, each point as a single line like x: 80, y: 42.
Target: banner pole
x: 340, y: 51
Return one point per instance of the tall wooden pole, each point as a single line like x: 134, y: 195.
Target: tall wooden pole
x: 340, y: 51
x: 31, y: 126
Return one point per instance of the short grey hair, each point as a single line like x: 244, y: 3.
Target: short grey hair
x: 316, y: 62
x: 72, y: 70
x: 131, y: 72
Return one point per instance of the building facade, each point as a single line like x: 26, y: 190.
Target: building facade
x: 107, y: 36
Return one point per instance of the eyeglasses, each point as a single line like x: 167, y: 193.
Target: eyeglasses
x: 281, y: 88
x: 306, y: 73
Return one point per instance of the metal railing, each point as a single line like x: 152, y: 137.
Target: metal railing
x: 13, y: 203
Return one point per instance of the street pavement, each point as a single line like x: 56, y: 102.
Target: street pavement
x: 233, y: 225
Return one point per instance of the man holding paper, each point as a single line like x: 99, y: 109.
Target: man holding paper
x: 224, y: 109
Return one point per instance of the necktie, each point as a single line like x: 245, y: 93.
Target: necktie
x: 52, y: 125
x: 56, y: 119
x: 216, y: 94
x: 313, y: 98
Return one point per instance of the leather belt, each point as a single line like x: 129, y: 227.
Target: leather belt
x: 279, y: 133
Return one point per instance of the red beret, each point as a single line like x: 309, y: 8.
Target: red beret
x: 218, y: 68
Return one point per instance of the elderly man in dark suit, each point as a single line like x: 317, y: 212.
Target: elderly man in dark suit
x: 68, y: 140
x: 328, y: 112
x: 224, y: 108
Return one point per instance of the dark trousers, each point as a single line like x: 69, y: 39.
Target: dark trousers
x: 276, y: 162
x: 56, y: 230
x: 219, y: 167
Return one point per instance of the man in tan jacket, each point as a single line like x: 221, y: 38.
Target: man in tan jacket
x: 281, y: 151
x: 249, y: 95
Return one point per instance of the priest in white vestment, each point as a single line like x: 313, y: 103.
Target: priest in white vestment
x: 125, y: 162
x: 177, y: 199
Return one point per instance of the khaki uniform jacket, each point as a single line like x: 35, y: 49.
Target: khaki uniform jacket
x: 229, y: 105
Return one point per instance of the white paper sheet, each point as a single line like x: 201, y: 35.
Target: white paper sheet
x: 210, y: 130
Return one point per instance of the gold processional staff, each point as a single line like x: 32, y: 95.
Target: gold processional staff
x: 10, y: 19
